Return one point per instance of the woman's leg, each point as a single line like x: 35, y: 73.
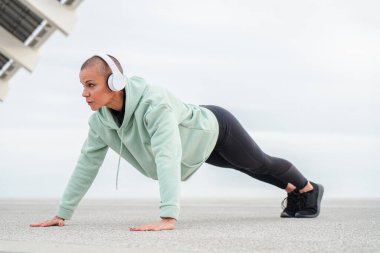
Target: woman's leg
x: 218, y: 160
x: 236, y: 149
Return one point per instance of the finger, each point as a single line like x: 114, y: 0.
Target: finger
x: 38, y: 224
x: 49, y: 223
x: 145, y: 227
x: 167, y: 227
x: 61, y: 223
x: 155, y: 227
x: 35, y: 225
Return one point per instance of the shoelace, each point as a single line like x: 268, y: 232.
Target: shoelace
x: 283, y: 206
x: 293, y: 203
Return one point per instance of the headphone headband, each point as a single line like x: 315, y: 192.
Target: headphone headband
x: 110, y: 63
x: 116, y: 81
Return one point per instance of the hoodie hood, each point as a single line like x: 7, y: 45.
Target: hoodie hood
x: 134, y: 89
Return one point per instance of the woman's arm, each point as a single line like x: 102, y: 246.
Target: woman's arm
x: 91, y: 158
x: 167, y: 150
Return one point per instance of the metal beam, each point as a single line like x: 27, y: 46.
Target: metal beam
x: 54, y: 12
x: 16, y: 50
x: 3, y: 90
x: 73, y: 4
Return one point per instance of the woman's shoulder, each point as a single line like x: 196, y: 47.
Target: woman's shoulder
x: 156, y: 95
x: 93, y: 120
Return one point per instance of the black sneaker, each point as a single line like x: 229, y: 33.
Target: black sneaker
x: 292, y: 204
x: 310, y: 202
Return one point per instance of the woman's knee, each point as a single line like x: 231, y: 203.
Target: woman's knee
x: 275, y: 164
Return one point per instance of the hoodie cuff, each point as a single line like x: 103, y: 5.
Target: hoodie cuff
x: 64, y: 213
x: 169, y: 212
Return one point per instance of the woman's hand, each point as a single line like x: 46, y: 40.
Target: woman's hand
x: 163, y: 224
x: 56, y: 221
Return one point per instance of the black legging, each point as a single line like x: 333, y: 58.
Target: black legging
x: 236, y: 149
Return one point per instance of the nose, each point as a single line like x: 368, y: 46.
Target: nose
x: 85, y: 93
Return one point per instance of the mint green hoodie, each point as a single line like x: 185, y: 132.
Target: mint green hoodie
x: 161, y: 136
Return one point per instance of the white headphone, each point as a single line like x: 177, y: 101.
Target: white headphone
x: 116, y: 81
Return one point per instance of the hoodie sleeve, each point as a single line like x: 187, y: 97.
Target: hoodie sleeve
x: 91, y: 158
x: 166, y: 146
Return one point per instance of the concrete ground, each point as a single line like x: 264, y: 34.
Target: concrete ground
x: 205, y: 225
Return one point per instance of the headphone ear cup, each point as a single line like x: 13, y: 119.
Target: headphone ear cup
x: 118, y: 81
x: 110, y: 82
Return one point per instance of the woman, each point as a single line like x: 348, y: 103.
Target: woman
x: 168, y: 140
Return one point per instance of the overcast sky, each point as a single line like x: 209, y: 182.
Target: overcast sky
x: 301, y: 76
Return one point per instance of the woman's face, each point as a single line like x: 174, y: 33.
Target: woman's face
x: 95, y: 89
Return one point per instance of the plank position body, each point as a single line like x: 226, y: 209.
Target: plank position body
x: 168, y: 140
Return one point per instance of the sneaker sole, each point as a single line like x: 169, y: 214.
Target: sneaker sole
x: 285, y: 215
x: 320, y: 194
